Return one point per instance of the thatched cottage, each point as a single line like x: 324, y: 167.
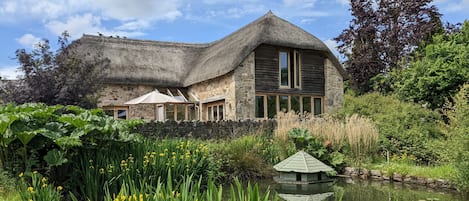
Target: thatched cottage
x: 270, y: 65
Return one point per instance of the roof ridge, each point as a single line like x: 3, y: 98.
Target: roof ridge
x: 142, y: 41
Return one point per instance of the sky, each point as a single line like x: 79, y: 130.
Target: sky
x: 24, y: 23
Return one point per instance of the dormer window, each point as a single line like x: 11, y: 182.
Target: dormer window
x: 289, y: 69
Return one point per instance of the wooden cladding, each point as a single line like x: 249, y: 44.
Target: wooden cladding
x: 268, y: 77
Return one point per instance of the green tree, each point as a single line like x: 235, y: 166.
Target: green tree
x: 437, y: 71
x: 67, y: 77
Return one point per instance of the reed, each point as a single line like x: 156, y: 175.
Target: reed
x: 358, y: 132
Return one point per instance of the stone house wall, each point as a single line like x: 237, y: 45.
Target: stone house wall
x: 117, y: 95
x: 223, y: 86
x: 334, y: 87
x: 244, y: 77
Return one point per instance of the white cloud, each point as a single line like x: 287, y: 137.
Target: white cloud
x: 10, y: 72
x: 300, y: 3
x: 134, y: 25
x: 343, y: 2
x: 28, y: 40
x: 138, y: 9
x: 461, y: 5
x: 87, y: 23
x: 332, y: 45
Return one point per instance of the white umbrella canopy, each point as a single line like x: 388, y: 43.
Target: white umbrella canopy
x: 154, y: 97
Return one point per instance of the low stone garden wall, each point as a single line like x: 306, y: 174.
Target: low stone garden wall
x: 365, y: 174
x: 206, y: 130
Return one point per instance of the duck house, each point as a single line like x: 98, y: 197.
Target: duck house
x: 302, y: 168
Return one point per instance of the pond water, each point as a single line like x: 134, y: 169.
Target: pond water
x: 346, y: 189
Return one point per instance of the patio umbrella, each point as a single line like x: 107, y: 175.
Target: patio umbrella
x: 155, y: 98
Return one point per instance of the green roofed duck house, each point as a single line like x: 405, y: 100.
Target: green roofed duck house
x: 269, y: 65
x: 302, y: 168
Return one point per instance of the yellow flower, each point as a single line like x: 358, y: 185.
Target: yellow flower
x: 30, y: 199
x: 101, y: 170
x: 123, y: 197
x: 44, y: 185
x: 141, y: 197
x: 59, y: 188
x: 35, y: 172
x: 31, y: 189
x: 21, y: 175
x: 44, y: 180
x: 161, y: 154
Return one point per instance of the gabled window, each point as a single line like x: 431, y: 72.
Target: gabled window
x: 289, y: 69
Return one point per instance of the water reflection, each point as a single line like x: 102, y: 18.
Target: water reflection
x: 360, y: 190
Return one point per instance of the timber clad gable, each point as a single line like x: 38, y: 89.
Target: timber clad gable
x: 240, y: 73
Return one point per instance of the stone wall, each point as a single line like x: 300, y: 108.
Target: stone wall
x: 245, y: 94
x: 117, y: 95
x: 334, y: 87
x: 223, y: 86
x: 206, y: 130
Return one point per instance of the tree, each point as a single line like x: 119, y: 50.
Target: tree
x: 382, y: 33
x: 67, y: 77
x: 437, y: 71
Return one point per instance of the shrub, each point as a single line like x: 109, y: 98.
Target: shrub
x: 249, y: 156
x: 456, y: 149
x: 403, y: 127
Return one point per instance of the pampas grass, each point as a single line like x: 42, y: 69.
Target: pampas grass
x: 358, y: 132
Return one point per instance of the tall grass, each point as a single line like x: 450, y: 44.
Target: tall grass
x: 358, y: 132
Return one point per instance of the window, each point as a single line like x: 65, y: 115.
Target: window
x: 271, y: 106
x: 295, y: 103
x: 283, y: 102
x: 117, y: 112
x: 306, y: 104
x: 283, y: 63
x: 289, y: 69
x: 267, y: 106
x: 215, y: 111
x: 260, y: 106
x: 317, y: 106
x: 170, y: 109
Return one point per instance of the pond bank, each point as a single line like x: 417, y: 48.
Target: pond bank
x: 366, y: 174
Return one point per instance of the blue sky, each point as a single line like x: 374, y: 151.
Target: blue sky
x: 23, y: 23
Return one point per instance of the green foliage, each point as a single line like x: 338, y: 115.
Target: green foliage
x: 188, y: 189
x: 456, y: 149
x: 34, y: 129
x: 304, y: 140
x: 248, y: 157
x: 437, y: 72
x: 403, y: 127
x: 38, y: 188
x: 141, y: 164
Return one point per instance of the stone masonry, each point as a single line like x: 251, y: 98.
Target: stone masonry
x: 222, y: 86
x: 244, y: 77
x: 334, y: 87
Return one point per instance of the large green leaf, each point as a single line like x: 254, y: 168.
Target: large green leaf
x: 66, y: 142
x: 5, y: 121
x: 55, y: 158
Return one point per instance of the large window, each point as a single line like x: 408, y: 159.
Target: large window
x: 289, y: 69
x: 215, y: 111
x: 267, y: 106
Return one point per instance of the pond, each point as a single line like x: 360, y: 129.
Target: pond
x: 346, y: 189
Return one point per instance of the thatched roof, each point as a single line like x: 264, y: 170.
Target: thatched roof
x: 181, y: 64
x: 302, y: 162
